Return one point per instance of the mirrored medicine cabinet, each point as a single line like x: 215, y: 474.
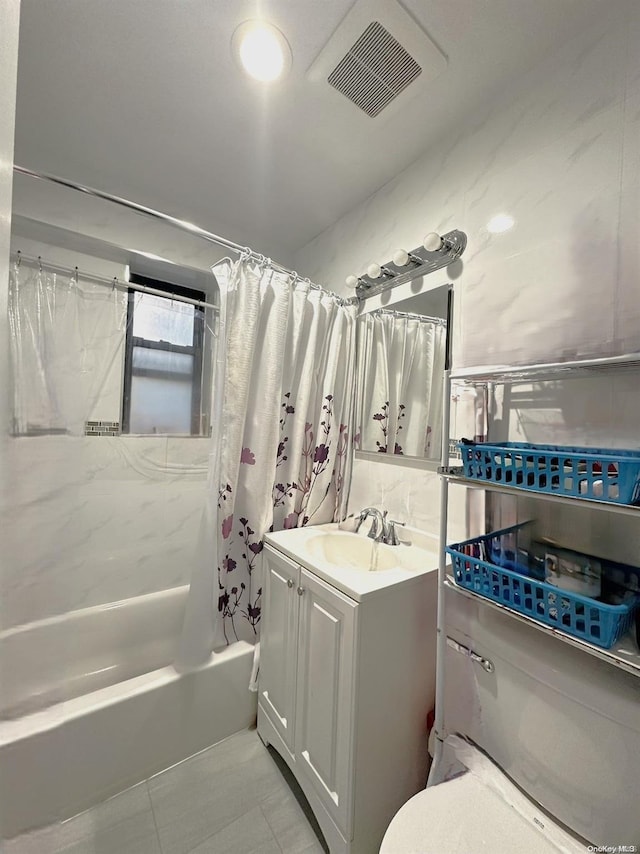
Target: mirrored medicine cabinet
x: 401, y: 360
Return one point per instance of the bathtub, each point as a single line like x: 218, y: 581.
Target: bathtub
x: 91, y: 704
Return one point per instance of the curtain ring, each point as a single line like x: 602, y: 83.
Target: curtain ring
x: 40, y: 263
x: 18, y: 259
x: 297, y: 279
x: 114, y: 283
x: 75, y: 275
x: 307, y: 281
x: 271, y: 271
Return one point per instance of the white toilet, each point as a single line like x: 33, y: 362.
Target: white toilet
x: 542, y: 752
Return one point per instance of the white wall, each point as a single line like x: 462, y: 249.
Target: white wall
x: 9, y: 21
x: 94, y: 520
x: 560, y: 152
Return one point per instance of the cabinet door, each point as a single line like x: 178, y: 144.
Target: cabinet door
x: 325, y: 691
x: 279, y: 642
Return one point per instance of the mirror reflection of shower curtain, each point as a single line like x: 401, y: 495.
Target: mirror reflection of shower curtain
x: 402, y: 363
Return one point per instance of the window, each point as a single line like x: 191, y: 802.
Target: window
x: 163, y: 361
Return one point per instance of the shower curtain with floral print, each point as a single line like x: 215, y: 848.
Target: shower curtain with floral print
x: 280, y: 450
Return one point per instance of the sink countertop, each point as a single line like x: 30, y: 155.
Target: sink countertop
x: 420, y: 558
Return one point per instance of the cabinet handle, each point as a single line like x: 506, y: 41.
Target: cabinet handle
x: 300, y: 591
x: 289, y: 582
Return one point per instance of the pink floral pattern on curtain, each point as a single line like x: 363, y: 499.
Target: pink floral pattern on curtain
x: 285, y: 431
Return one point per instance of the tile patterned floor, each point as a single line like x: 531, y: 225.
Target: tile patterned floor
x: 237, y: 797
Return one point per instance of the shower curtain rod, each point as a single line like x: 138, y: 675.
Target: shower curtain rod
x: 19, y: 258
x: 181, y: 224
x: 437, y: 321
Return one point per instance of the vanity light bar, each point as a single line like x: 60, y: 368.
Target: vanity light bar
x: 436, y: 251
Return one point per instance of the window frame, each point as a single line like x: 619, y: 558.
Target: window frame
x: 196, y: 349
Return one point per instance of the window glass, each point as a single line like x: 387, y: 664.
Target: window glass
x: 161, y: 319
x: 163, y: 378
x: 163, y: 361
x: 160, y: 405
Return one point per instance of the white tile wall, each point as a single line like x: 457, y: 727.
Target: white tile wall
x: 410, y: 495
x: 9, y: 23
x: 95, y: 520
x: 560, y: 152
x: 9, y: 20
x: 628, y: 285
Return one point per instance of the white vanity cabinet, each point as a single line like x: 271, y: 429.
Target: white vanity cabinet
x: 279, y: 643
x: 347, y: 675
x: 306, y: 675
x: 324, y: 692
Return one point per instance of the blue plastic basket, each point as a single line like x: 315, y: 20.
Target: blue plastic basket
x: 592, y: 473
x: 589, y: 619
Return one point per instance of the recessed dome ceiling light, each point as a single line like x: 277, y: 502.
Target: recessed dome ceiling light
x: 261, y: 50
x: 500, y: 222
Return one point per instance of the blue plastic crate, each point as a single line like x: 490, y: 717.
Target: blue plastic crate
x: 589, y: 619
x: 504, y: 552
x: 593, y: 473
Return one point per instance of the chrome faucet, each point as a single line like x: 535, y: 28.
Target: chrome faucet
x: 381, y: 530
x: 392, y: 537
x: 378, y: 526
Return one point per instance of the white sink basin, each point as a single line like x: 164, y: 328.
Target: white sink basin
x: 355, y: 564
x: 353, y: 551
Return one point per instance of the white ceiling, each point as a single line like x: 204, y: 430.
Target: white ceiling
x: 141, y: 98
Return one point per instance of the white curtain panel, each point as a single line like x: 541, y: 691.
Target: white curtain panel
x: 67, y: 339
x: 280, y: 452
x: 401, y: 362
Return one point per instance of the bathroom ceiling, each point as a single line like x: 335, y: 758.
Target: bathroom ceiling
x: 142, y: 98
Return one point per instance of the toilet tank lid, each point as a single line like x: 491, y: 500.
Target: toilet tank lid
x: 595, y: 684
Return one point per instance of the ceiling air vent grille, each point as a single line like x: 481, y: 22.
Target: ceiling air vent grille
x: 375, y: 70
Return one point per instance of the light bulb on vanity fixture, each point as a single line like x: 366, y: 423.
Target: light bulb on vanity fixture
x: 436, y: 251
x: 375, y: 271
x: 432, y: 241
x: 401, y: 258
